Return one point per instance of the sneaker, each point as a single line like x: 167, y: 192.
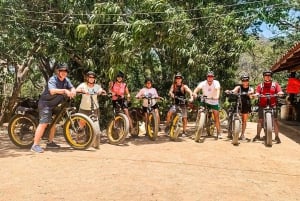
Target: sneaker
x: 242, y: 137
x: 220, y: 136
x: 52, y: 145
x: 256, y: 138
x: 37, y: 149
x: 183, y: 134
x: 277, y: 139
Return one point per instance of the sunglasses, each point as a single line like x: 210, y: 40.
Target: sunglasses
x: 62, y: 70
x: 210, y: 76
x: 91, y: 77
x: 245, y: 80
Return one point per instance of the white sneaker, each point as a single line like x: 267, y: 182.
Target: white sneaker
x: 220, y: 136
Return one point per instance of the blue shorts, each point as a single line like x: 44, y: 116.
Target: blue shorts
x: 45, y: 115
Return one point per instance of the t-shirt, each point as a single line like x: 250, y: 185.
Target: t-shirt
x: 210, y: 90
x: 268, y: 87
x: 118, y: 89
x: 51, y: 101
x: 85, y: 103
x: 146, y: 92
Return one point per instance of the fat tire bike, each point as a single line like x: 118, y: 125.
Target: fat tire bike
x: 204, y: 120
x: 118, y: 128
x: 22, y: 126
x: 176, y: 118
x: 268, y: 118
x: 152, y: 121
x: 234, y: 117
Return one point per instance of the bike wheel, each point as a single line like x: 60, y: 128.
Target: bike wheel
x: 77, y: 137
x: 175, y: 128
x: 199, y: 126
x: 152, y: 126
x: 268, y: 133
x: 223, y: 115
x: 210, y: 126
x: 21, y: 129
x: 236, y: 125
x: 118, y: 129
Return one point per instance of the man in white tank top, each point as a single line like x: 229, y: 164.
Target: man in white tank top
x: 211, y: 89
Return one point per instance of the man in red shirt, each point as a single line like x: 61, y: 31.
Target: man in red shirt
x: 272, y: 88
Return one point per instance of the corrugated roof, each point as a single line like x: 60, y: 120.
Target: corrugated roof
x: 289, y: 61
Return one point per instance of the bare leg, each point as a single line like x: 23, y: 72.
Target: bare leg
x: 39, y: 133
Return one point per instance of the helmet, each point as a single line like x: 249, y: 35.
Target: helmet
x: 148, y: 79
x: 91, y: 73
x: 210, y: 74
x: 245, y: 77
x: 62, y: 66
x: 120, y: 74
x: 178, y: 75
x: 268, y: 72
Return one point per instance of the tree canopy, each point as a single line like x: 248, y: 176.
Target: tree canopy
x: 153, y: 38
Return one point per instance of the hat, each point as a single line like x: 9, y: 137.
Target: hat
x: 62, y: 66
x: 210, y: 74
x: 267, y: 73
x: 179, y: 75
x: 91, y: 73
x: 245, y: 77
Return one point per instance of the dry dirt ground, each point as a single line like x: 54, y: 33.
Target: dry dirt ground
x: 143, y: 170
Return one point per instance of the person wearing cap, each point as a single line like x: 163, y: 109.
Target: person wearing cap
x: 267, y: 86
x: 56, y: 88
x: 179, y: 89
x: 211, y: 88
x: 120, y: 92
x: 87, y: 89
x: 148, y: 90
x: 243, y: 88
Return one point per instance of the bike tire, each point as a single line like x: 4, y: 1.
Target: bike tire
x: 268, y: 133
x: 223, y: 115
x: 21, y: 130
x: 199, y: 126
x: 236, y: 124
x: 118, y: 129
x: 152, y: 126
x: 76, y: 139
x: 210, y: 126
x: 175, y: 128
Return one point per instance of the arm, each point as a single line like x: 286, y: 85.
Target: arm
x: 171, y: 91
x: 187, y: 89
x: 196, y: 90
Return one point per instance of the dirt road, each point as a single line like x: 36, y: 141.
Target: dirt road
x: 142, y: 170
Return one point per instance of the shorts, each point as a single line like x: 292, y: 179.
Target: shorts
x: 153, y: 107
x: 213, y: 107
x: 183, y: 110
x: 245, y: 109
x: 261, y: 113
x: 89, y: 112
x: 45, y: 115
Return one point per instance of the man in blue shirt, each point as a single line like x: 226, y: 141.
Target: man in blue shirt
x: 53, y: 94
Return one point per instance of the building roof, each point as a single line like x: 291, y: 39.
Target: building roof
x: 290, y: 61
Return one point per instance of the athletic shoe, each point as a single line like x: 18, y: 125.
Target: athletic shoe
x: 52, y: 145
x: 37, y: 149
x: 277, y: 139
x: 256, y: 138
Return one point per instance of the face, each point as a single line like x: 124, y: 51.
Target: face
x: 245, y: 82
x: 267, y: 78
x: 91, y: 79
x: 148, y: 84
x: 210, y: 79
x: 119, y: 79
x: 178, y: 80
x: 62, y: 73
